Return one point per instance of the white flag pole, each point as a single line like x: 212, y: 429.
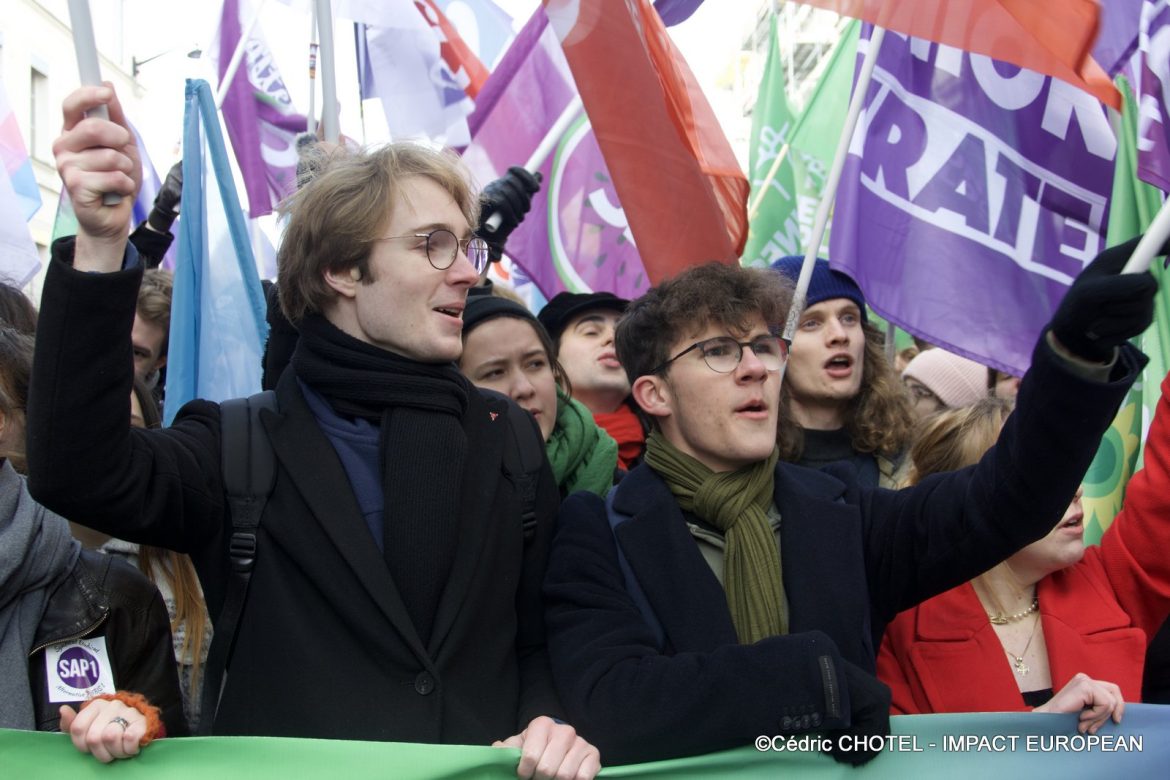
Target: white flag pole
x: 87, y: 66
x: 1153, y: 240
x: 329, y: 120
x: 237, y: 57
x: 312, y: 124
x: 754, y: 208
x: 830, y: 192
x: 550, y: 141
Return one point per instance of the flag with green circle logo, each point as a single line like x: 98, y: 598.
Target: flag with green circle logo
x: 1132, y: 206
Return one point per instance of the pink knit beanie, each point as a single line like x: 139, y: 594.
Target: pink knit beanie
x: 956, y: 380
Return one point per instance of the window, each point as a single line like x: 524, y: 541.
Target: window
x: 40, y: 127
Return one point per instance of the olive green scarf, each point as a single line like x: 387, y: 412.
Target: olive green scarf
x: 735, y: 502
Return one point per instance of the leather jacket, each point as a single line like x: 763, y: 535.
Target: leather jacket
x: 104, y: 597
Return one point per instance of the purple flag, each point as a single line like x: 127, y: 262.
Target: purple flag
x: 576, y: 236
x: 1117, y: 40
x: 150, y: 186
x: 1153, y: 131
x: 259, y: 115
x: 674, y: 11
x: 973, y: 193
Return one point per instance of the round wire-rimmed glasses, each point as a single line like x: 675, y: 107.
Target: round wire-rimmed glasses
x: 443, y: 247
x: 723, y: 353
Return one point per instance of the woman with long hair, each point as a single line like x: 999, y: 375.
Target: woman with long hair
x: 84, y: 642
x: 1057, y: 627
x: 172, y: 573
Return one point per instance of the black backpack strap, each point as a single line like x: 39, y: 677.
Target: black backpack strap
x: 523, y: 459
x: 249, y: 474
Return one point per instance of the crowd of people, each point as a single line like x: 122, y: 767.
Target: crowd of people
x: 604, y: 532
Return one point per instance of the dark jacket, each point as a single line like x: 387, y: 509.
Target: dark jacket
x: 325, y: 647
x: 106, y: 597
x: 851, y: 560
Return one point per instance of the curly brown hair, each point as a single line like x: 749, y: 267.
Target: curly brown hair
x: 684, y: 306
x: 879, y: 418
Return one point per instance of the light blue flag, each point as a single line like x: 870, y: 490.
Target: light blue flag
x: 218, y: 328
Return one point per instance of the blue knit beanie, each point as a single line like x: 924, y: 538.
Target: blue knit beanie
x: 825, y: 284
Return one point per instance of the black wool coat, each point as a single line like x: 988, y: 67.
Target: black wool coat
x: 325, y: 647
x: 852, y: 558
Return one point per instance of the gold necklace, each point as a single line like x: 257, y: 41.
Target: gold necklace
x: 1000, y: 619
x: 1022, y: 668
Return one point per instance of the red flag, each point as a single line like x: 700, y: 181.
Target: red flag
x: 1053, y: 38
x: 683, y: 192
x: 454, y: 51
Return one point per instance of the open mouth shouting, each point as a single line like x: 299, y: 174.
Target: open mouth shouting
x: 755, y: 409
x: 840, y: 365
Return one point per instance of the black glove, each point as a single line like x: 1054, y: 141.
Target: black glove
x: 166, y: 202
x: 509, y: 197
x: 1105, y: 308
x: 869, y: 716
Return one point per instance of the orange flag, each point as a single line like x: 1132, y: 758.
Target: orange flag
x: 682, y: 190
x: 1053, y: 38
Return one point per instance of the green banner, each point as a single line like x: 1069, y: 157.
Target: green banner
x: 1132, y: 207
x: 951, y: 746
x: 783, y: 222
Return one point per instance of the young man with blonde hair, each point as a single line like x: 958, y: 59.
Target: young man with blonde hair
x: 394, y: 596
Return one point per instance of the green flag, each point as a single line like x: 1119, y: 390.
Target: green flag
x: 783, y: 220
x: 956, y: 745
x: 1131, y: 209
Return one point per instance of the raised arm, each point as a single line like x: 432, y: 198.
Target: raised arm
x: 951, y: 527
x: 85, y: 462
x: 95, y: 156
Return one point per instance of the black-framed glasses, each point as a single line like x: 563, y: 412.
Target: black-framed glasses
x: 443, y: 247
x: 723, y: 353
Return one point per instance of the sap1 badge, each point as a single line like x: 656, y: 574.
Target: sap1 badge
x: 78, y: 670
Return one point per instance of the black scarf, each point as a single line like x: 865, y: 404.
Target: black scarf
x: 419, y: 408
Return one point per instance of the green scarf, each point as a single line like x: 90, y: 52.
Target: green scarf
x: 582, y: 455
x: 735, y: 502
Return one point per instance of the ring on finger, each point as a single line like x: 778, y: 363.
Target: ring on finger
x: 125, y: 724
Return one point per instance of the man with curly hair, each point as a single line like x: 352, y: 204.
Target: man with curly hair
x: 718, y: 594
x: 842, y: 401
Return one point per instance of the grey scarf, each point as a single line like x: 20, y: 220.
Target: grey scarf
x: 36, y: 553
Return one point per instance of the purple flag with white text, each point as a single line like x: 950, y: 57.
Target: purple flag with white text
x: 972, y: 195
x: 1154, y: 101
x: 576, y: 237
x: 261, y: 121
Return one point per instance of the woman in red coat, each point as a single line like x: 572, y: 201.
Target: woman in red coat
x: 1055, y: 616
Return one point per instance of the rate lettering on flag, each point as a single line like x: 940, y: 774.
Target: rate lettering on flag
x: 973, y: 193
